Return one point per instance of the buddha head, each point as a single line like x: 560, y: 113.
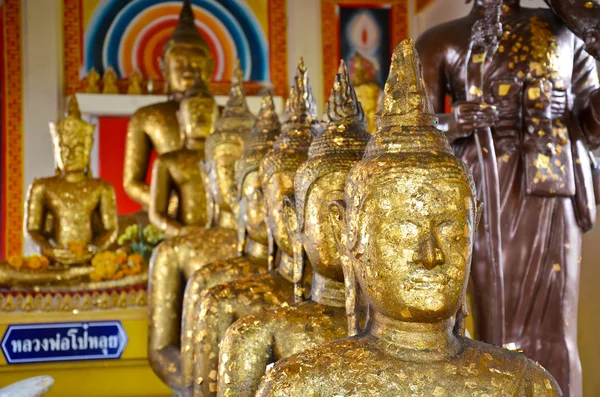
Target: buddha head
x: 409, y: 218
x: 198, y: 112
x: 186, y: 53
x: 251, y: 217
x: 322, y: 177
x: 225, y: 145
x: 290, y: 150
x: 72, y: 139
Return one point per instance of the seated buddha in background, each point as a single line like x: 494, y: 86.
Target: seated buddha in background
x: 365, y: 84
x: 156, y: 126
x: 221, y: 306
x: 178, y: 172
x: 252, y: 231
x: 256, y: 341
x: 71, y: 215
x: 407, y: 225
x: 176, y: 259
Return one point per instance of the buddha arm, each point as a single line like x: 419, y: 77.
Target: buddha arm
x: 213, y: 321
x: 245, y: 354
x: 160, y: 190
x: 165, y: 292
x: 108, y: 216
x: 137, y: 156
x: 35, y: 216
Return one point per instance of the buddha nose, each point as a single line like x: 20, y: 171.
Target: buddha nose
x: 429, y: 255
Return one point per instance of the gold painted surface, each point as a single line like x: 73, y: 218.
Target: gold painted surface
x: 407, y: 225
x: 254, y: 342
x: 220, y: 306
x: 176, y: 259
x: 185, y: 55
x: 70, y: 208
x: 366, y: 87
x: 251, y: 228
x: 178, y: 173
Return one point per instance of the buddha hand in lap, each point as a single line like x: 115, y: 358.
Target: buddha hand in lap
x: 407, y: 228
x: 256, y: 341
x: 222, y: 305
x: 176, y: 259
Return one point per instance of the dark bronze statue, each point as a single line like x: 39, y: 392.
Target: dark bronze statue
x: 537, y: 93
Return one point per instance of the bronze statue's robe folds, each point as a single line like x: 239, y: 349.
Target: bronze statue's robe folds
x: 252, y: 231
x: 407, y: 225
x: 221, y: 306
x: 258, y: 340
x: 545, y: 89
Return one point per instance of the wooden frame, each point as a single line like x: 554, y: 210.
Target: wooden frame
x: 11, y: 206
x: 331, y: 35
x: 73, y: 35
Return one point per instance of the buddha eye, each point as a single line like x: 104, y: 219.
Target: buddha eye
x: 453, y: 230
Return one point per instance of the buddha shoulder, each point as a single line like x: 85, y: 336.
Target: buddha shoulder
x: 162, y: 112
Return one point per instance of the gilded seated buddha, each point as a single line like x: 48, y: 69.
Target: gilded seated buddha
x: 252, y: 230
x: 155, y: 127
x: 70, y: 216
x: 178, y: 172
x: 222, y: 305
x: 407, y: 225
x: 254, y: 342
x: 176, y: 259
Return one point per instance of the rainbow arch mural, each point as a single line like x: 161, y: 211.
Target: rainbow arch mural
x: 129, y: 35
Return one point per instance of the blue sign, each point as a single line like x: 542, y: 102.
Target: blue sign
x: 52, y: 342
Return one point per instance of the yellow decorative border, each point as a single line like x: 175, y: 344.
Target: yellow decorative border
x: 331, y: 37
x: 67, y: 302
x: 12, y: 86
x: 73, y: 33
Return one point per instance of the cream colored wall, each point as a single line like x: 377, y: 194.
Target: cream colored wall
x: 42, y: 96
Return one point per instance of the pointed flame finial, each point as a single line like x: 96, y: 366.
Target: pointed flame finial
x: 186, y: 33
x: 301, y: 103
x: 405, y: 101
x: 73, y: 108
x: 343, y: 105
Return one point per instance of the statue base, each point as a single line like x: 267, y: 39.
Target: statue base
x: 92, y: 343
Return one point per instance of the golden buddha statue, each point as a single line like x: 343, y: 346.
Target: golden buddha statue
x: 178, y: 172
x: 93, y: 78
x: 407, y: 229
x: 71, y: 208
x: 156, y: 126
x: 220, y: 306
x: 176, y: 259
x: 366, y: 87
x: 109, y: 82
x: 252, y: 231
x: 135, y: 83
x: 260, y: 339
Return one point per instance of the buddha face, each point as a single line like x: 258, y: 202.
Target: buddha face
x: 181, y: 64
x: 221, y: 174
x: 413, y: 251
x: 280, y: 185
x: 255, y: 208
x: 319, y: 243
x: 72, y: 149
x: 197, y: 116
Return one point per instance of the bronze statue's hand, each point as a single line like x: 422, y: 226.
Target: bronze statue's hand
x: 591, y: 38
x: 469, y: 116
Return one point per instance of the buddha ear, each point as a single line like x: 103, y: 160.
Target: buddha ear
x: 478, y: 214
x: 337, y: 220
x: 290, y: 217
